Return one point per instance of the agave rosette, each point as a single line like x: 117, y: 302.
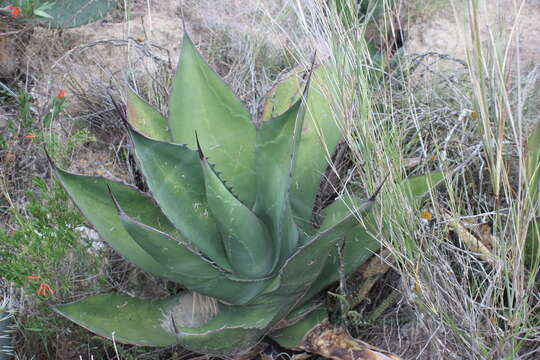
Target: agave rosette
x: 229, y: 216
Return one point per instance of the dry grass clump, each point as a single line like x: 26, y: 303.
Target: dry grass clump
x: 463, y: 272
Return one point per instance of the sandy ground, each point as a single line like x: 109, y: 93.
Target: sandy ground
x: 440, y: 30
x: 155, y: 27
x: 117, y: 49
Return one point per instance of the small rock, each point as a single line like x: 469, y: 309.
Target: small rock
x: 92, y: 236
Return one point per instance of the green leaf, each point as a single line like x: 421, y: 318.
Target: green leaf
x: 42, y: 13
x: 233, y: 330
x: 303, y: 267
x: 320, y: 135
x: 245, y: 237
x: 188, y: 267
x: 294, y: 279
x: 344, y: 211
x: 292, y: 336
x: 417, y: 187
x: 91, y: 196
x: 201, y: 102
x: 358, y: 244
x: 145, y: 119
x: 265, y: 310
x: 282, y: 96
x: 275, y: 158
x: 176, y: 320
x: 174, y: 175
x: 126, y: 319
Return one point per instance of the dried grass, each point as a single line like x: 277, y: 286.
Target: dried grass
x: 469, y: 119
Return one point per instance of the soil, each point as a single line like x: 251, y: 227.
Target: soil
x: 438, y: 31
x: 156, y: 27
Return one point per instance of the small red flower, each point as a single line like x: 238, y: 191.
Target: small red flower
x: 33, y: 277
x: 14, y: 11
x: 30, y: 136
x: 44, y: 289
x: 61, y: 94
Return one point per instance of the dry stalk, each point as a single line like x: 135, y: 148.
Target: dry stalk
x: 473, y: 243
x: 334, y: 342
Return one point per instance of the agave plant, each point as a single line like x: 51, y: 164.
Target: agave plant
x: 229, y: 216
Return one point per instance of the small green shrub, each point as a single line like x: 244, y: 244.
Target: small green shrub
x: 58, y: 13
x: 32, y: 255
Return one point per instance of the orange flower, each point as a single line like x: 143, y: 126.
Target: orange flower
x: 14, y: 11
x: 30, y: 136
x: 44, y: 289
x: 426, y: 215
x: 33, y: 277
x: 61, y: 94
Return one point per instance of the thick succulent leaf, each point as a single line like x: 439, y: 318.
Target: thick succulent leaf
x: 275, y: 156
x: 201, y: 102
x: 176, y: 320
x: 302, y: 268
x: 245, y: 237
x: 145, y: 119
x: 126, y: 319
x: 249, y: 323
x: 283, y: 95
x: 320, y: 135
x: 234, y: 329
x: 359, y: 247
x: 175, y: 178
x: 293, y: 281
x: 344, y: 211
x: 358, y: 244
x: 417, y: 187
x: 92, y: 197
x: 188, y: 267
x: 532, y: 171
x: 292, y: 336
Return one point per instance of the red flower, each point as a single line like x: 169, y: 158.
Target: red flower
x: 30, y: 136
x: 14, y: 11
x: 33, y: 277
x: 61, y: 94
x: 44, y: 289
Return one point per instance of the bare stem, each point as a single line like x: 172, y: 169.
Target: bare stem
x: 333, y: 342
